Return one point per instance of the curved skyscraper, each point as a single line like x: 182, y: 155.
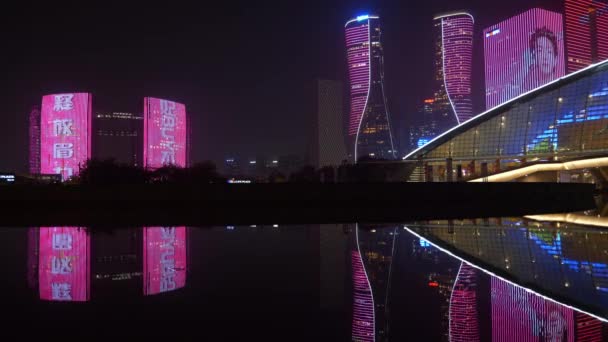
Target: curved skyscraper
x: 369, y: 123
x: 464, y: 326
x: 454, y: 56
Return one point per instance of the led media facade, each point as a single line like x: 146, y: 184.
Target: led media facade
x: 165, y: 259
x: 586, y: 32
x: 165, y: 133
x: 520, y: 315
x: 522, y: 53
x: 64, y: 264
x: 369, y: 122
x: 65, y: 129
x: 464, y: 325
x: 363, y: 327
x: 456, y: 61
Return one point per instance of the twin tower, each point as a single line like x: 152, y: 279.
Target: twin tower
x: 65, y: 133
x: 369, y: 125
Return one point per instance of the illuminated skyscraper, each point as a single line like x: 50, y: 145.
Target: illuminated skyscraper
x: 369, y: 122
x: 34, y: 164
x: 166, y: 138
x: 586, y: 32
x: 363, y: 325
x: 454, y: 56
x: 65, y: 133
x: 522, y: 53
x: 377, y: 249
x: 464, y: 325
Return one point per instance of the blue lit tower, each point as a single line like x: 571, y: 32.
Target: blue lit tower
x: 369, y: 123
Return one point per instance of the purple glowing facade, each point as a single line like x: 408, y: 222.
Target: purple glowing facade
x: 464, y: 325
x: 586, y: 32
x: 456, y: 61
x: 520, y: 315
x: 65, y: 133
x: 522, y: 53
x: 363, y: 325
x: 369, y: 122
x: 34, y: 136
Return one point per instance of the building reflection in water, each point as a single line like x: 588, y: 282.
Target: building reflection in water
x: 556, y: 259
x: 164, y: 259
x: 463, y: 322
x: 70, y: 263
x: 372, y: 258
x: 64, y: 264
x: 481, y: 306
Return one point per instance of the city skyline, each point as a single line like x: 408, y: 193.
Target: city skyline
x: 214, y: 110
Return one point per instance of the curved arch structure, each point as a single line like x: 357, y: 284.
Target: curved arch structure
x: 563, y: 120
x: 369, y: 122
x: 582, y: 281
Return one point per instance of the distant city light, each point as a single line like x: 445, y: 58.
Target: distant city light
x: 252, y: 162
x: 239, y: 181
x: 275, y: 226
x: 433, y: 284
x: 275, y: 161
x: 429, y: 101
x: 424, y: 243
x: 423, y: 141
x: 363, y: 17
x: 7, y: 178
x: 493, y: 33
x: 230, y: 227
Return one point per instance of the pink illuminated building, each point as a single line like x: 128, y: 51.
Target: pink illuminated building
x: 165, y: 259
x: 369, y: 124
x: 363, y: 325
x: 586, y: 32
x: 64, y: 264
x: 520, y: 315
x: 165, y: 133
x: 65, y: 133
x: 464, y: 324
x: 456, y: 57
x: 34, y: 136
x: 588, y: 329
x: 522, y: 53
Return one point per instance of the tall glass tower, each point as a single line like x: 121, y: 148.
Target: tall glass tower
x: 369, y: 123
x: 453, y: 67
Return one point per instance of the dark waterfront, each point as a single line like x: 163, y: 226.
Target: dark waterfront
x: 493, y: 279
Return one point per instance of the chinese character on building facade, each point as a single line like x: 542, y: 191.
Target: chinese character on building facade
x: 167, y: 127
x: 63, y: 102
x: 61, y: 291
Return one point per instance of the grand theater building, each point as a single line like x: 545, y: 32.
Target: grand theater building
x: 558, y: 132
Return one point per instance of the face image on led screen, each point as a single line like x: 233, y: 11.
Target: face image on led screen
x: 519, y: 315
x: 65, y: 133
x: 64, y: 266
x: 164, y: 133
x: 164, y: 259
x: 523, y: 53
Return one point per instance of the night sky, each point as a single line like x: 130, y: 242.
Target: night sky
x: 245, y: 70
